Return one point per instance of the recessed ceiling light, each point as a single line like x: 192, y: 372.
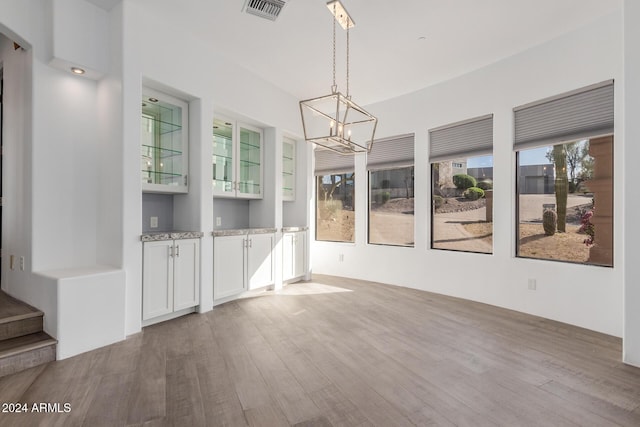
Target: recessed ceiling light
x: 422, y: 38
x: 153, y: 99
x: 77, y: 70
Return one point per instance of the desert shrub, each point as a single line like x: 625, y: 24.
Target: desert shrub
x: 572, y: 187
x: 487, y: 184
x: 463, y: 181
x: 474, y: 193
x: 438, y: 201
x: 384, y: 197
x: 549, y: 220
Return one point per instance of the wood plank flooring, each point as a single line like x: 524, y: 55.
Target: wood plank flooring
x: 340, y: 352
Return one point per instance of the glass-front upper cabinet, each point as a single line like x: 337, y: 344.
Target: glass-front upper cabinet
x: 288, y: 169
x: 223, y: 168
x: 237, y: 159
x: 163, y: 143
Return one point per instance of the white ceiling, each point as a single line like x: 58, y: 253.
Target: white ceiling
x: 388, y: 55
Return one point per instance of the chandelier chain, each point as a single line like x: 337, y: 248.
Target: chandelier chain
x: 348, y: 56
x: 334, y: 88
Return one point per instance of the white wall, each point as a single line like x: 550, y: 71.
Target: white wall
x: 632, y: 176
x: 582, y: 295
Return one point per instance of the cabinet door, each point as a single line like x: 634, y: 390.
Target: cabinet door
x: 157, y: 279
x: 299, y: 254
x: 164, y: 141
x: 287, y: 255
x: 250, y: 156
x: 260, y: 260
x: 186, y: 274
x: 288, y: 169
x: 223, y: 158
x: 228, y: 266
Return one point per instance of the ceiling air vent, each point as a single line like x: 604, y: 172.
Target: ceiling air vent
x: 269, y: 9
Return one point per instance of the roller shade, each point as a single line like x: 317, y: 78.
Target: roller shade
x: 391, y: 152
x: 329, y: 162
x: 473, y: 137
x: 583, y: 113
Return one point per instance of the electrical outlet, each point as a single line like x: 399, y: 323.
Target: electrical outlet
x: 22, y: 263
x: 153, y: 223
x: 218, y: 221
x: 341, y: 257
x: 532, y: 284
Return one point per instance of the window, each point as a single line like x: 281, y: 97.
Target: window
x: 565, y: 189
x: 391, y: 178
x: 335, y: 191
x: 391, y: 207
x: 462, y: 186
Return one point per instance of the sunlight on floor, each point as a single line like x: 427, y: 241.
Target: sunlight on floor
x: 311, y: 288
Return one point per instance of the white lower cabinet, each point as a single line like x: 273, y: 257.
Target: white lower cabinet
x: 170, y: 276
x: 294, y: 259
x: 242, y: 262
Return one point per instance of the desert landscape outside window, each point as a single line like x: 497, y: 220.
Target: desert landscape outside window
x: 462, y: 208
x: 335, y: 216
x: 565, y: 202
x: 391, y: 214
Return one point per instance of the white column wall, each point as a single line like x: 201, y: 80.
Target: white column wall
x: 632, y: 177
x: 583, y: 295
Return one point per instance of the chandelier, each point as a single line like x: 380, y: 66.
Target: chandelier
x: 334, y: 121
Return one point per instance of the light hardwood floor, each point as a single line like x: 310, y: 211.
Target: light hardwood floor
x: 341, y: 352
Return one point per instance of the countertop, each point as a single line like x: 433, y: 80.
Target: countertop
x: 170, y: 235
x: 241, y: 231
x: 292, y: 229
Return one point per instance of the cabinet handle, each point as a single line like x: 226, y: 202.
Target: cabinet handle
x: 250, y: 242
x: 178, y: 251
x: 170, y: 251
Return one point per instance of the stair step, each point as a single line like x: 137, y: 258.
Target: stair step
x: 17, y: 318
x: 27, y: 351
x: 17, y: 326
x: 11, y: 307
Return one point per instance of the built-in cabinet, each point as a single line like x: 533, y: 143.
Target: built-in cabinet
x: 237, y: 159
x: 294, y: 259
x: 242, y: 262
x: 288, y: 170
x: 163, y: 143
x: 170, y: 277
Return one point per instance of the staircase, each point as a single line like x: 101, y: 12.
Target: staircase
x: 23, y: 344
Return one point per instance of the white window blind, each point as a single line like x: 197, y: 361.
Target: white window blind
x: 394, y: 152
x: 329, y: 162
x: 473, y: 137
x: 583, y: 113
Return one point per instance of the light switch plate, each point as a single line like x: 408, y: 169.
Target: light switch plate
x: 153, y: 223
x: 218, y: 221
